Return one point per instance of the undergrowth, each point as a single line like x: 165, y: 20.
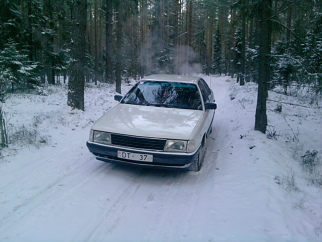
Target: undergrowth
x: 311, y: 163
x: 24, y: 136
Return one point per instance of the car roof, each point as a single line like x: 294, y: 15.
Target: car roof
x: 172, y: 78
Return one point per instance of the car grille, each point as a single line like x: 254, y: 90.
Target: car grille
x: 138, y: 142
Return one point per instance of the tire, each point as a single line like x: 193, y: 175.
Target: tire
x: 197, y: 163
x: 210, y: 130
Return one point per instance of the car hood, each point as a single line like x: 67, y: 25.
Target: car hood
x: 149, y: 121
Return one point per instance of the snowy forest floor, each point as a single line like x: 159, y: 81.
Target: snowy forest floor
x: 252, y: 187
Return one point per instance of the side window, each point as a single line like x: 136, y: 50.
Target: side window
x: 205, y: 90
x: 208, y: 90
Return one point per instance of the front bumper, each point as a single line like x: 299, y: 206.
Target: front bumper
x: 160, y: 159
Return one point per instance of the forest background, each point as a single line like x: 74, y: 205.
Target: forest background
x: 79, y: 41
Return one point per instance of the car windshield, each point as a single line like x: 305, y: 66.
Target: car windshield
x: 164, y: 94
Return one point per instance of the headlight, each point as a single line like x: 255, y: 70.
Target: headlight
x: 180, y: 146
x: 101, y: 137
x: 176, y: 145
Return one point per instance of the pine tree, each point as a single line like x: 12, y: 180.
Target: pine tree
x: 217, y: 56
x: 16, y: 71
x: 76, y: 84
x: 109, y: 46
x: 119, y: 47
x: 264, y: 19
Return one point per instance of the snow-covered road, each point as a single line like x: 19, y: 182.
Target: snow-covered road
x: 59, y: 192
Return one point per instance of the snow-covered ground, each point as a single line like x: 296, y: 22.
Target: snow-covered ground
x: 250, y: 188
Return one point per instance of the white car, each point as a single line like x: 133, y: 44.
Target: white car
x: 163, y: 121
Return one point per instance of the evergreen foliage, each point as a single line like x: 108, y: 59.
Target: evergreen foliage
x: 16, y: 70
x: 217, y: 58
x: 169, y: 36
x: 153, y: 32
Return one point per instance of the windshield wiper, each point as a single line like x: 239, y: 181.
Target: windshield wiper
x: 160, y: 105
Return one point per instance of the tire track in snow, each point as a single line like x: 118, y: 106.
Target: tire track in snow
x: 50, y: 193
x: 162, y: 204
x: 140, y: 192
x: 22, y: 174
x: 112, y: 216
x: 188, y: 198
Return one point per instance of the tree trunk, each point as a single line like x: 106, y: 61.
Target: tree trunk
x: 3, y: 130
x: 95, y: 42
x: 49, y: 42
x: 209, y: 40
x: 189, y: 24
x: 175, y: 21
x: 78, y: 46
x: 118, y: 68
x: 231, y: 67
x: 30, y: 32
x: 109, y: 41
x: 243, y: 49
x: 264, y: 64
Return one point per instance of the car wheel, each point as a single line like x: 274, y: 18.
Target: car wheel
x: 210, y: 130
x: 197, y: 163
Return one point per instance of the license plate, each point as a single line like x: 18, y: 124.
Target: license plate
x: 134, y: 156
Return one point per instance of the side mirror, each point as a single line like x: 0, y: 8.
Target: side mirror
x: 210, y: 106
x: 118, y: 97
